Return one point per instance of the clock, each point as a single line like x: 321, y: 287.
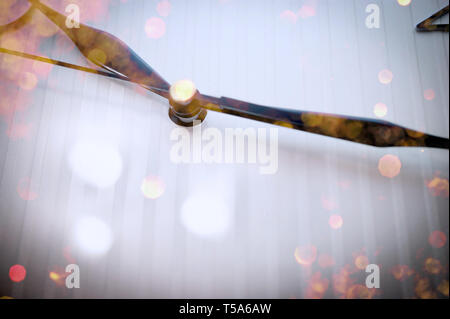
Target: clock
x: 323, y: 173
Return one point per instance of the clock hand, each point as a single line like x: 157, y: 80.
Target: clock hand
x: 355, y: 129
x: 188, y: 105
x: 18, y: 23
x: 79, y: 68
x: 428, y: 26
x: 107, y: 51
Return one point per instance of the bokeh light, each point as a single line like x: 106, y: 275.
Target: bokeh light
x: 17, y: 273
x: 152, y: 187
x: 97, y: 56
x: 335, y: 221
x: 317, y: 286
x: 54, y: 276
x: 307, y: 11
x: 26, y: 189
x: 341, y: 281
x: 423, y: 289
x: 325, y: 261
x: 183, y: 91
x: 163, y: 8
x: 17, y: 131
x: 438, y: 186
x: 433, y: 266
x: 361, y: 262
x: 329, y: 203
x: 58, y: 276
x: 443, y: 287
x: 28, y: 81
x: 305, y: 255
x: 380, y: 110
x: 389, y: 165
x: 155, y: 28
x: 288, y: 16
x: 404, y: 3
x: 358, y: 291
x: 42, y: 26
x: 42, y: 69
x: 97, y: 163
x: 93, y: 235
x: 429, y: 94
x: 385, y: 76
x: 437, y: 239
x: 402, y: 272
x: 206, y: 215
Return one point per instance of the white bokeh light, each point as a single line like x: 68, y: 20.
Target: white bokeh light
x: 97, y: 163
x: 206, y: 216
x: 93, y: 236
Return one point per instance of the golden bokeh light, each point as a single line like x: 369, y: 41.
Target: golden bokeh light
x: 389, y: 165
x: 54, y: 276
x: 380, y: 110
x: 433, y: 266
x: 404, y: 3
x: 183, y: 91
x: 385, y: 76
x: 438, y: 186
x: 305, y: 255
x: 58, y: 276
x: 341, y: 281
x: 359, y: 292
x: 283, y: 124
x: 414, y: 134
x: 402, y: 272
x: 152, y: 187
x: 335, y: 221
x: 423, y: 289
x: 317, y: 286
x: 97, y: 56
x: 28, y: 81
x: 43, y: 27
x: 443, y: 287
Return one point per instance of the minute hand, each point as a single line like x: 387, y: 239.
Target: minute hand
x: 107, y: 51
x: 360, y: 130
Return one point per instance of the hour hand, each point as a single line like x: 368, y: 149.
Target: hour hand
x: 355, y: 129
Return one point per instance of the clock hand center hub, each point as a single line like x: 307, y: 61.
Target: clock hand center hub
x: 184, y: 105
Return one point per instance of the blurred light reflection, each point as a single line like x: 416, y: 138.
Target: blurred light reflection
x: 93, y: 236
x: 97, y: 163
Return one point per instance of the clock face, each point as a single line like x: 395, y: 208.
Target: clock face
x: 94, y: 174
